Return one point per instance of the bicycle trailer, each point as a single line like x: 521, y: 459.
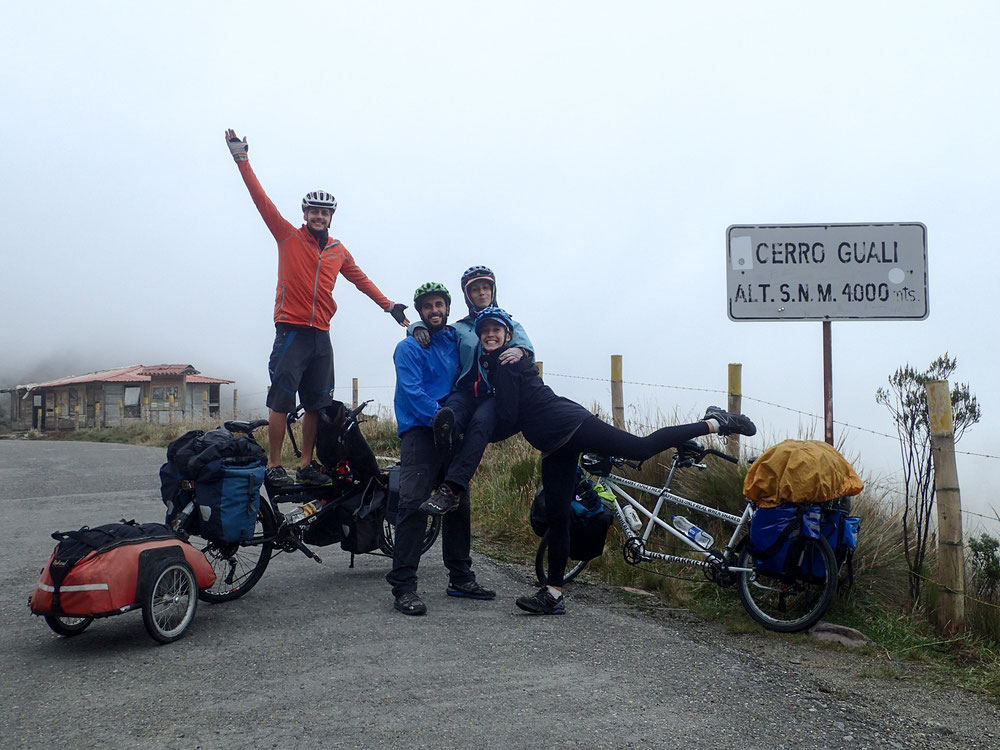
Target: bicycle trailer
x: 116, y: 568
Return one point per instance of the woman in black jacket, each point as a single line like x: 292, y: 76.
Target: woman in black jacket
x: 563, y: 429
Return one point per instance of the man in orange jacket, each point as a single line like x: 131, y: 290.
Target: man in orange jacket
x: 309, y: 261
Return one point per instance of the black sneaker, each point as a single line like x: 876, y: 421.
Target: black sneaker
x: 443, y: 426
x: 470, y: 590
x: 442, y: 501
x: 410, y: 604
x: 276, y: 476
x: 313, y: 475
x: 542, y: 603
x: 730, y: 423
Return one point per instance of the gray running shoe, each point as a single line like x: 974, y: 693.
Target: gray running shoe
x: 542, y: 603
x: 312, y: 475
x: 730, y: 423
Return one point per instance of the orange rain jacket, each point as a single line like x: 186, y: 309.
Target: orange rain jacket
x: 306, y: 272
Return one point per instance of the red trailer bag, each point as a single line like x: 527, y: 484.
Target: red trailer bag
x: 99, y: 571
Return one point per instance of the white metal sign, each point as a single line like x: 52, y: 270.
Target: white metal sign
x: 827, y: 272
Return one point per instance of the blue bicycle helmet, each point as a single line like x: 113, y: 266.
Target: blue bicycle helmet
x: 497, y: 314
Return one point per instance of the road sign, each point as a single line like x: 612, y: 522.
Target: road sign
x: 827, y: 272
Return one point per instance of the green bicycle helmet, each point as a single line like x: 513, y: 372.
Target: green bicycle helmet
x: 431, y: 287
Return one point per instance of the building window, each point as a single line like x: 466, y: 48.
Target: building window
x: 132, y: 407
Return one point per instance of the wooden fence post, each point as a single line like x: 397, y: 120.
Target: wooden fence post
x: 236, y: 401
x: 539, y: 366
x: 97, y: 414
x: 171, y: 397
x: 735, y: 404
x: 354, y: 393
x: 951, y: 548
x: 204, y: 406
x: 617, y: 397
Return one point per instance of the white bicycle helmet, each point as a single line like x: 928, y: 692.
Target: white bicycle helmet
x: 319, y: 199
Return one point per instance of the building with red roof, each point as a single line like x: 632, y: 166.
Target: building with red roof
x: 160, y: 394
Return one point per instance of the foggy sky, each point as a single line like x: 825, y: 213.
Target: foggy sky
x: 592, y: 154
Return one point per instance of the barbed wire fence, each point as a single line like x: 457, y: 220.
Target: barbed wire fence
x: 346, y: 393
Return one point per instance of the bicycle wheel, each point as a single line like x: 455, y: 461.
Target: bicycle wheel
x: 788, y: 605
x: 169, y: 604
x: 239, y: 565
x: 67, y: 625
x: 430, y: 535
x: 573, y: 567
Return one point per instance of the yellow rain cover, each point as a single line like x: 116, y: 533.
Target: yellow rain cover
x: 800, y: 471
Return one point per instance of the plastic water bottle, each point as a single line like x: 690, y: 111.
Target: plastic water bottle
x: 295, y: 515
x: 180, y: 518
x: 698, y: 536
x: 632, y: 517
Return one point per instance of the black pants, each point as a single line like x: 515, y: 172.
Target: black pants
x: 474, y: 421
x: 559, y: 473
x: 421, y: 468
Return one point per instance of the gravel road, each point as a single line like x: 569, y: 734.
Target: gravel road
x: 315, y: 657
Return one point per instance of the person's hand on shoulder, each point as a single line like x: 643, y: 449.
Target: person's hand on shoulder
x: 238, y: 148
x: 512, y: 355
x: 423, y: 337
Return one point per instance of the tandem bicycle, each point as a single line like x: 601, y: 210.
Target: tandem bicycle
x: 790, y: 601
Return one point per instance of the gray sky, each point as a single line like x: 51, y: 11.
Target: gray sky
x: 592, y: 154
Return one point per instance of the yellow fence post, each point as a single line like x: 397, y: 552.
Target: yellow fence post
x: 951, y: 548
x: 236, y: 401
x: 538, y: 366
x: 204, y: 406
x: 171, y: 399
x: 735, y: 404
x: 354, y: 393
x: 76, y: 420
x: 617, y: 396
x: 97, y: 415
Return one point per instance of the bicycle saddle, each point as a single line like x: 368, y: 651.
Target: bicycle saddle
x: 247, y: 427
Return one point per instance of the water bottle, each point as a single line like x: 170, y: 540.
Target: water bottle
x: 180, y: 518
x: 632, y: 517
x: 699, y: 537
x: 295, y: 515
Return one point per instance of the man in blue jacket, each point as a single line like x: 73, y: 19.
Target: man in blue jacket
x: 424, y: 378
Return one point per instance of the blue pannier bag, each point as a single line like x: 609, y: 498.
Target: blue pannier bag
x: 841, y: 531
x: 228, y: 498
x: 777, y: 535
x: 589, y: 519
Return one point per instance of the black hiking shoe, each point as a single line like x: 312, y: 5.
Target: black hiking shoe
x: 730, y: 423
x: 442, y: 501
x: 312, y: 475
x: 542, y: 603
x: 443, y: 426
x: 410, y: 604
x: 276, y: 476
x: 470, y: 590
